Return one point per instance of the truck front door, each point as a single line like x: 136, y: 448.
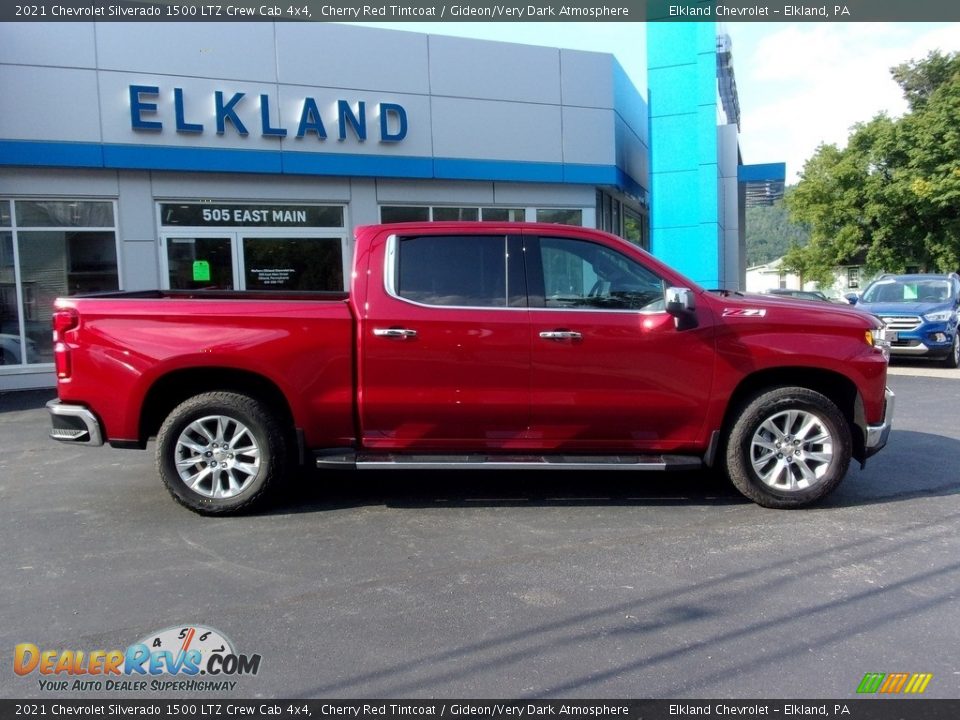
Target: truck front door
x: 610, y: 371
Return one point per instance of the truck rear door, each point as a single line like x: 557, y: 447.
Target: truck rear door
x: 445, y: 343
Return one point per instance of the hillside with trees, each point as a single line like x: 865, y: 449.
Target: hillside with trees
x: 770, y: 233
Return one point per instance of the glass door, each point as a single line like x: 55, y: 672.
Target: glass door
x: 292, y: 263
x: 200, y: 262
x: 244, y: 260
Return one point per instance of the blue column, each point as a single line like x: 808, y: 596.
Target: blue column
x: 684, y: 214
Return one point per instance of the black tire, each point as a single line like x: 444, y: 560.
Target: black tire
x: 231, y: 451
x: 810, y: 460
x: 952, y: 360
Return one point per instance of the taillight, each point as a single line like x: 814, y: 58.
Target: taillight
x: 64, y: 319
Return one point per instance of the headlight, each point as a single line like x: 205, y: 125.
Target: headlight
x: 878, y: 340
x: 940, y: 316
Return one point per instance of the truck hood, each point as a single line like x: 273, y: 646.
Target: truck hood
x: 815, y: 309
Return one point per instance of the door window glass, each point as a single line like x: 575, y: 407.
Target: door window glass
x: 579, y: 274
x: 466, y: 271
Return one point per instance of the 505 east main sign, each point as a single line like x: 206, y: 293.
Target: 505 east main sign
x: 344, y: 118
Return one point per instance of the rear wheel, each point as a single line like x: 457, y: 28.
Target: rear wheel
x: 789, y: 447
x: 221, y: 452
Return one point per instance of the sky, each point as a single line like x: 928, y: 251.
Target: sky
x: 800, y: 84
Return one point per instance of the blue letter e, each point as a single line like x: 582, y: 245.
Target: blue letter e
x: 138, y: 106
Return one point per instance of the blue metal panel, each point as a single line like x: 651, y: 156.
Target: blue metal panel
x: 149, y: 157
x: 628, y: 103
x: 763, y: 172
x: 46, y: 154
x: 162, y: 157
x: 677, y: 90
x: 684, y: 148
x: 304, y: 163
x: 454, y: 169
x: 674, y: 205
x: 671, y: 43
x: 675, y: 143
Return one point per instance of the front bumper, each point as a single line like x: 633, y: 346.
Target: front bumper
x: 877, y: 435
x: 74, y: 424
x: 932, y: 339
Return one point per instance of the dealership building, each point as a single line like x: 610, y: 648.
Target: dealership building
x: 242, y: 155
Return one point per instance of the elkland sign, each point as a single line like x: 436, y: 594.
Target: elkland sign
x: 149, y: 114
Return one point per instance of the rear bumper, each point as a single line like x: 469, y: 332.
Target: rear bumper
x: 74, y: 424
x: 877, y: 435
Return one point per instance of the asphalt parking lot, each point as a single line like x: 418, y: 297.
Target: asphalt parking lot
x: 499, y: 584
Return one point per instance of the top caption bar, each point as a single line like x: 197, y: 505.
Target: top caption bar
x: 405, y: 10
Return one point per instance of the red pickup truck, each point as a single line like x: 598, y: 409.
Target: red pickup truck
x: 476, y: 345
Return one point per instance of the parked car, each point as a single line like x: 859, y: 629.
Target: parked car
x: 920, y: 313
x: 10, y: 353
x: 476, y: 345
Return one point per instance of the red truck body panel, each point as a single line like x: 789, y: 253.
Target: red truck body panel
x: 123, y: 346
x: 471, y: 378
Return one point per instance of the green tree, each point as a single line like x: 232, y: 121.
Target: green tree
x: 891, y: 197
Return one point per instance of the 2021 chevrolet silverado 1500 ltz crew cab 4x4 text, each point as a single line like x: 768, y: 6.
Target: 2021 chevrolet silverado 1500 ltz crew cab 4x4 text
x: 476, y: 345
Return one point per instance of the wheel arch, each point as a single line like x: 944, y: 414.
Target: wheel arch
x: 177, y: 386
x: 840, y: 389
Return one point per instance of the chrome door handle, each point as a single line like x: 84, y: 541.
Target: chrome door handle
x: 561, y: 335
x: 394, y: 332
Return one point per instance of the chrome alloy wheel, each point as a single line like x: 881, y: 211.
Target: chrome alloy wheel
x: 217, y: 456
x: 791, y: 450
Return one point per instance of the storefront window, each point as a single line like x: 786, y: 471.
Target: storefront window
x: 503, y: 214
x: 39, y: 262
x: 456, y: 213
x: 58, y: 213
x: 11, y: 349
x: 439, y: 213
x: 635, y: 229
x: 563, y: 216
x: 396, y: 213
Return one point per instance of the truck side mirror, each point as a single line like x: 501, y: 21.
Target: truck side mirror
x: 682, y: 304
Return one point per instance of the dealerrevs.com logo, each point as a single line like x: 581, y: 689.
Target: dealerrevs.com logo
x: 191, y: 658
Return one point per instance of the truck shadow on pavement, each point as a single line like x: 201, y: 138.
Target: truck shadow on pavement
x: 500, y: 488
x: 913, y: 465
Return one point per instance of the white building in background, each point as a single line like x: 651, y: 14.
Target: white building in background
x: 772, y: 275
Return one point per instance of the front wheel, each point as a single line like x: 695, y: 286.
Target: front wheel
x: 789, y: 447
x: 220, y: 452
